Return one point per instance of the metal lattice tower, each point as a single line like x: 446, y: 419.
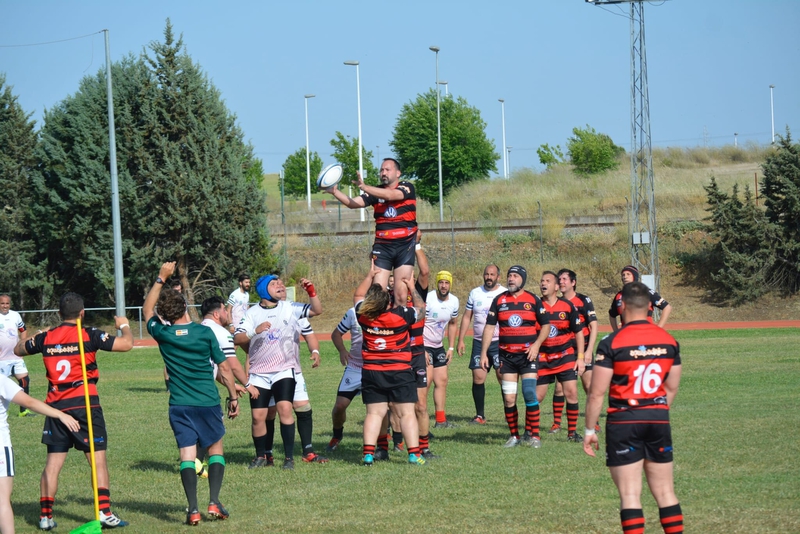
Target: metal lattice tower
x: 642, y: 230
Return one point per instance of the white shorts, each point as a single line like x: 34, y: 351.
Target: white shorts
x: 351, y: 380
x: 265, y: 381
x: 6, y: 462
x: 300, y: 390
x: 10, y: 368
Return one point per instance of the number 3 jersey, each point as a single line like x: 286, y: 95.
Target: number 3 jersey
x: 62, y: 361
x: 641, y: 355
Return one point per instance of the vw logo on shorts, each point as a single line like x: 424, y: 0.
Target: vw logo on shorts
x: 390, y: 212
x: 553, y: 331
x: 515, y: 320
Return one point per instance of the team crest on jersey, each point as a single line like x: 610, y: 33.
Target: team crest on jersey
x: 553, y: 331
x: 527, y: 306
x: 562, y: 316
x: 390, y: 212
x: 515, y: 320
x: 182, y: 332
x: 103, y: 336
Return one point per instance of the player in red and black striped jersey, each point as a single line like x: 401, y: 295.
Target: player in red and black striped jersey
x: 386, y: 375
x: 631, y: 274
x: 567, y: 283
x: 641, y: 365
x: 558, y: 358
x: 62, y: 361
x: 395, y: 207
x: 522, y: 330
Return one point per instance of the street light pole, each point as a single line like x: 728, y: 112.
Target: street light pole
x: 446, y: 92
x: 508, y: 165
x: 505, y: 160
x: 436, y: 49
x: 308, y: 157
x: 360, y: 151
x: 772, y: 112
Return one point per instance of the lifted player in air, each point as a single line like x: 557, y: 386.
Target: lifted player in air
x: 395, y: 206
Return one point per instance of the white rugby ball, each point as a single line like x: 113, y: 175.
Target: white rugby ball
x: 330, y: 176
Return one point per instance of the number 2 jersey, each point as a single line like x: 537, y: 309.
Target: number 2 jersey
x: 62, y: 362
x: 641, y: 355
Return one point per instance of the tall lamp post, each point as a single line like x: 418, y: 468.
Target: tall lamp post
x: 446, y: 92
x: 358, y: 97
x: 508, y: 165
x: 308, y: 157
x: 435, y: 50
x: 505, y: 159
x: 772, y: 112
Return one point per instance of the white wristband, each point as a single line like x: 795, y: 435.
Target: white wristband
x: 451, y: 348
x: 315, y: 350
x: 589, y: 432
x: 418, y: 247
x: 124, y: 325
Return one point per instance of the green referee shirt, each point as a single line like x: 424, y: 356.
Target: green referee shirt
x: 188, y: 350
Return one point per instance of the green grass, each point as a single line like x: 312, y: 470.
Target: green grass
x: 736, y: 470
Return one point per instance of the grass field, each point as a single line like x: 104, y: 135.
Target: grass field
x: 737, y: 462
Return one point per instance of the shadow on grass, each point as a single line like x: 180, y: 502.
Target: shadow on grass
x: 149, y: 465
x: 29, y: 511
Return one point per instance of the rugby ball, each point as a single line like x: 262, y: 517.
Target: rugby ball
x: 330, y: 176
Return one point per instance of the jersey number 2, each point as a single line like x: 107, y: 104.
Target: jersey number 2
x: 63, y: 364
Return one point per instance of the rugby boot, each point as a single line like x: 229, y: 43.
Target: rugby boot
x: 193, y: 517
x: 381, y: 454
x: 112, y: 520
x: 313, y: 457
x: 513, y: 441
x: 217, y: 511
x: 575, y: 437
x: 47, y: 523
x: 333, y: 444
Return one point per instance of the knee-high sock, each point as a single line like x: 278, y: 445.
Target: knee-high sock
x: 305, y: 427
x: 671, y: 519
x: 479, y: 397
x: 287, y: 433
x: 512, y: 417
x: 25, y: 384
x: 632, y: 520
x: 572, y: 417
x: 216, y: 472
x: 189, y: 479
x: 558, y: 409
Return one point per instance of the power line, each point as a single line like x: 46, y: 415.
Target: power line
x: 51, y: 42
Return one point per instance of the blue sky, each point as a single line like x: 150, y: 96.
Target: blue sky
x: 558, y: 64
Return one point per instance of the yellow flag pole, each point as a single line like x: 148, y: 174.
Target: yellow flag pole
x: 89, y: 422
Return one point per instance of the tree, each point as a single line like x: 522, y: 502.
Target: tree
x: 550, y: 156
x: 467, y: 154
x: 294, y: 173
x: 21, y: 274
x: 780, y: 189
x: 345, y: 151
x: 190, y: 187
x: 591, y: 152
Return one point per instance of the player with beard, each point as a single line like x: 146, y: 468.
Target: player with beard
x: 395, y: 205
x: 557, y: 358
x: 239, y: 301
x: 477, y: 307
x: 441, y: 312
x: 567, y: 284
x: 522, y: 329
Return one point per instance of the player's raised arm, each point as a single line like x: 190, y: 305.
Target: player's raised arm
x: 149, y: 306
x: 349, y: 202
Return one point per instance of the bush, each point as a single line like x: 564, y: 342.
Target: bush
x: 591, y: 152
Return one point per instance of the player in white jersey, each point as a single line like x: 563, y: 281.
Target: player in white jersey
x: 350, y: 385
x: 272, y: 331
x: 301, y: 403
x: 441, y: 312
x: 238, y: 301
x: 11, y: 326
x: 477, y: 308
x: 10, y: 392
x: 215, y: 316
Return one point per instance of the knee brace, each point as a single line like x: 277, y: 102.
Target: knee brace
x: 508, y: 387
x: 529, y: 391
x: 304, y: 408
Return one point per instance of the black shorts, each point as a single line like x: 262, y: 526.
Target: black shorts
x: 282, y: 390
x: 628, y: 443
x: 59, y: 438
x: 517, y: 364
x: 493, y: 353
x: 563, y: 376
x: 388, y: 386
x: 419, y: 364
x: 437, y: 356
x: 389, y: 255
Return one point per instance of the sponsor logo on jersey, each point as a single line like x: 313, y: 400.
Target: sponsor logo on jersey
x: 182, y: 332
x: 62, y: 349
x: 103, y: 336
x: 390, y: 212
x: 643, y: 352
x: 515, y: 320
x: 553, y: 331
x: 503, y: 308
